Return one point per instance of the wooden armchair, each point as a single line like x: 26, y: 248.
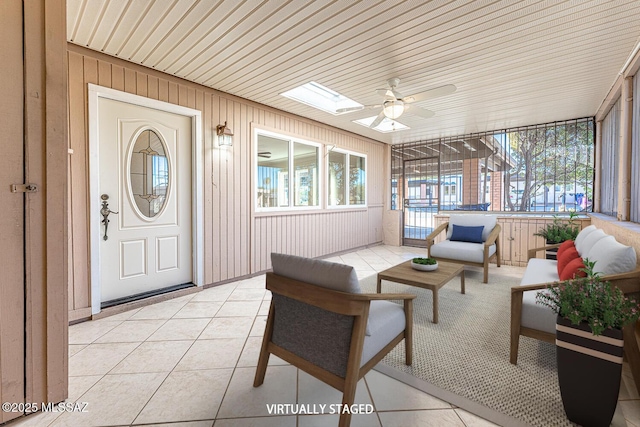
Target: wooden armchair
x: 478, y: 254
x: 332, y: 335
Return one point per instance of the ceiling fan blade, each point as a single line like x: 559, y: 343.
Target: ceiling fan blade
x: 389, y: 93
x: 348, y: 110
x: 397, y: 94
x: 384, y: 93
x: 418, y: 111
x: 378, y: 120
x: 431, y: 93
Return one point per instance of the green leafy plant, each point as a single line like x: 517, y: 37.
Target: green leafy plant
x: 425, y: 261
x: 589, y: 268
x: 591, y: 300
x: 560, y: 229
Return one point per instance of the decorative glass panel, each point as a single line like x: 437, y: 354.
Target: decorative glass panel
x: 149, y: 173
x: 357, y: 179
x: 305, y: 164
x: 337, y: 181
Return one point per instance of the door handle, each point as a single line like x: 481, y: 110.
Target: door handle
x: 105, y: 211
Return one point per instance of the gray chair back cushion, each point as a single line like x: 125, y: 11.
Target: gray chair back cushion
x: 330, y: 275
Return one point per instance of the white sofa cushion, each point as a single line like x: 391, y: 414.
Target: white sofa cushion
x: 537, y: 316
x: 540, y: 271
x: 534, y: 315
x: 612, y: 257
x: 589, y: 241
x: 582, y: 235
x: 472, y: 220
x: 461, y: 251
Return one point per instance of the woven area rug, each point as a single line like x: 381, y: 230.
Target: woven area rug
x: 467, y: 352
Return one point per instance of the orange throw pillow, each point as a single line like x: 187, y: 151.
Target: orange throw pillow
x: 566, y: 257
x: 564, y: 246
x: 573, y: 270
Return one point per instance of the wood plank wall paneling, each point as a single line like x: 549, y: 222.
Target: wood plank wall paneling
x: 12, y: 325
x: 236, y: 242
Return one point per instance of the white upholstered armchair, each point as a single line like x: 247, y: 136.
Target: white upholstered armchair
x: 471, y: 239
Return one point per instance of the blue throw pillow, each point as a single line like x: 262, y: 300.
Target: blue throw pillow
x: 467, y: 234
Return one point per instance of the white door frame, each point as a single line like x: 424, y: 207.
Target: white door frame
x: 197, y: 224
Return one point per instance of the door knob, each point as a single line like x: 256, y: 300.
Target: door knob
x: 105, y: 211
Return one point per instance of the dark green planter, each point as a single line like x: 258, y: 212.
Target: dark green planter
x: 551, y: 253
x: 589, y: 372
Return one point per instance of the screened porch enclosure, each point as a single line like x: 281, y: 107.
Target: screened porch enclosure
x: 542, y: 168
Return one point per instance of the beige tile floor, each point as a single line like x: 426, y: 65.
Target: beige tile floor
x: 190, y: 362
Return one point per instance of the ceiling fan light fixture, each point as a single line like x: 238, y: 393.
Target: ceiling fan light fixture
x: 393, y: 108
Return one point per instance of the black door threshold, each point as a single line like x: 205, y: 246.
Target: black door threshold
x: 143, y: 295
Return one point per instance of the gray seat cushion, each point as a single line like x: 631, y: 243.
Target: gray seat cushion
x: 462, y: 251
x: 386, y: 321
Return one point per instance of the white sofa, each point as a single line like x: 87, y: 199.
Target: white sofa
x: 616, y: 262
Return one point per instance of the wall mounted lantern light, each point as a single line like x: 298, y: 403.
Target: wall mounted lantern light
x: 225, y: 135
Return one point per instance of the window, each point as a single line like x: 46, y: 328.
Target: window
x: 635, y: 152
x: 609, y: 165
x: 321, y: 97
x: 546, y: 168
x: 278, y: 157
x: 346, y: 178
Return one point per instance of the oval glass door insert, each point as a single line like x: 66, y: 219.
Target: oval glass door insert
x: 149, y: 173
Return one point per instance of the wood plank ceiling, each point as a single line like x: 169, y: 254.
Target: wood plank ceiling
x: 514, y: 62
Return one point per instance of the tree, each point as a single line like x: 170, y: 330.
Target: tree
x: 548, y: 156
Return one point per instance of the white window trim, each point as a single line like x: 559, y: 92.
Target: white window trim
x: 347, y: 167
x: 291, y: 180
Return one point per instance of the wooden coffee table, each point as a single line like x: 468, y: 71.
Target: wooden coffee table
x: 433, y: 280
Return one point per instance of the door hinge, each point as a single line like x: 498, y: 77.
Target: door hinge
x: 24, y: 188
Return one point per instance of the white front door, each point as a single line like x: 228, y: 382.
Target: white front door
x: 145, y: 191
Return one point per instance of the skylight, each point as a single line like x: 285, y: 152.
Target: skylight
x: 320, y: 97
x: 387, y: 125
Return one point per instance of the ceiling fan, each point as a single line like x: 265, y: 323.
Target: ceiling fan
x: 265, y: 154
x: 395, y: 104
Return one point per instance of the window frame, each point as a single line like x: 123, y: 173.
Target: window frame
x: 348, y: 154
x: 291, y: 172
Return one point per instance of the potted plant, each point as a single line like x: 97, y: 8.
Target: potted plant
x: 424, y: 264
x: 591, y: 314
x: 558, y: 231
